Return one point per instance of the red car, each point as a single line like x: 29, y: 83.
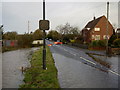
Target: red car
x: 58, y: 43
x: 49, y: 44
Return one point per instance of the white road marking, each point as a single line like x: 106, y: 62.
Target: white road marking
x: 80, y: 57
x: 114, y: 72
x: 65, y: 50
x: 95, y: 64
x: 88, y: 60
x: 74, y: 54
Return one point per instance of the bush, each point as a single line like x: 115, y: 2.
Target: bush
x: 98, y: 43
x: 116, y: 43
x: 72, y: 41
x: 101, y: 43
x: 112, y: 38
x: 93, y: 44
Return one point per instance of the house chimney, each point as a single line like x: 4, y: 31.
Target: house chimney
x: 94, y: 18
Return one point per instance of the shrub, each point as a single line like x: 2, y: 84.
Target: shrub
x: 94, y: 43
x: 101, y: 43
x: 98, y: 43
x: 72, y: 41
x: 116, y: 43
x: 112, y: 38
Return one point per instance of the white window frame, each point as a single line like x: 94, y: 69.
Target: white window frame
x: 93, y: 36
x: 104, y: 36
x: 97, y: 29
x: 97, y: 37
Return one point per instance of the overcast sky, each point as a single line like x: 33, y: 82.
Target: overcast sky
x: 15, y: 15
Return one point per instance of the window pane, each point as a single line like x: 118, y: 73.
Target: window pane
x: 97, y: 29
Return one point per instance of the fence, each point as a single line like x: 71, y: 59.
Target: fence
x: 10, y: 43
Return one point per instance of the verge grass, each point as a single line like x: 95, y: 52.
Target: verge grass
x: 36, y: 77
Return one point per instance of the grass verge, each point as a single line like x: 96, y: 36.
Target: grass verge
x: 36, y: 77
x: 106, y: 64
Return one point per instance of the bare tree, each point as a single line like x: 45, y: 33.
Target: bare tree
x: 67, y: 29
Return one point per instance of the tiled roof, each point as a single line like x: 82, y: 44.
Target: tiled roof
x: 92, y: 23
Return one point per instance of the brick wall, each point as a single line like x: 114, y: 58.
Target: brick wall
x: 116, y: 51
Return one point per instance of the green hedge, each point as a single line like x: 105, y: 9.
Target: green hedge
x: 98, y: 43
x: 116, y: 43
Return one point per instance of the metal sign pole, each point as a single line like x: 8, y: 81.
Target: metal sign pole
x: 107, y: 28
x: 44, y: 44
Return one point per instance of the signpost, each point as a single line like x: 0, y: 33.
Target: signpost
x: 107, y: 29
x: 44, y: 25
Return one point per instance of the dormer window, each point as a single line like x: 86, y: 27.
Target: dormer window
x: 97, y: 29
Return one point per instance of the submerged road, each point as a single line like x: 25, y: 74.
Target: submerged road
x: 77, y: 70
x: 12, y: 62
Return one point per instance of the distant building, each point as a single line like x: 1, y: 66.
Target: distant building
x: 35, y: 42
x: 10, y: 43
x: 96, y: 29
x: 118, y: 32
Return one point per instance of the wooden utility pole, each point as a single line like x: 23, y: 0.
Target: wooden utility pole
x: 107, y: 28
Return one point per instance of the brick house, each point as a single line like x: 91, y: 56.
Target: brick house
x: 96, y: 29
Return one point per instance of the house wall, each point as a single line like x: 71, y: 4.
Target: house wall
x: 85, y: 34
x: 102, y: 25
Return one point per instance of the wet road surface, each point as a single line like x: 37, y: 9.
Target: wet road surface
x: 77, y: 70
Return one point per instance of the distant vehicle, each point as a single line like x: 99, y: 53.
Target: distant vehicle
x: 50, y: 39
x: 58, y: 42
x: 49, y: 44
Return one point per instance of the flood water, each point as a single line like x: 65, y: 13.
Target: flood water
x: 12, y: 61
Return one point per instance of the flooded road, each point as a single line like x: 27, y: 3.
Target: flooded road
x: 12, y: 62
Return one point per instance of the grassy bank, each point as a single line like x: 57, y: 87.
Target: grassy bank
x: 36, y: 77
